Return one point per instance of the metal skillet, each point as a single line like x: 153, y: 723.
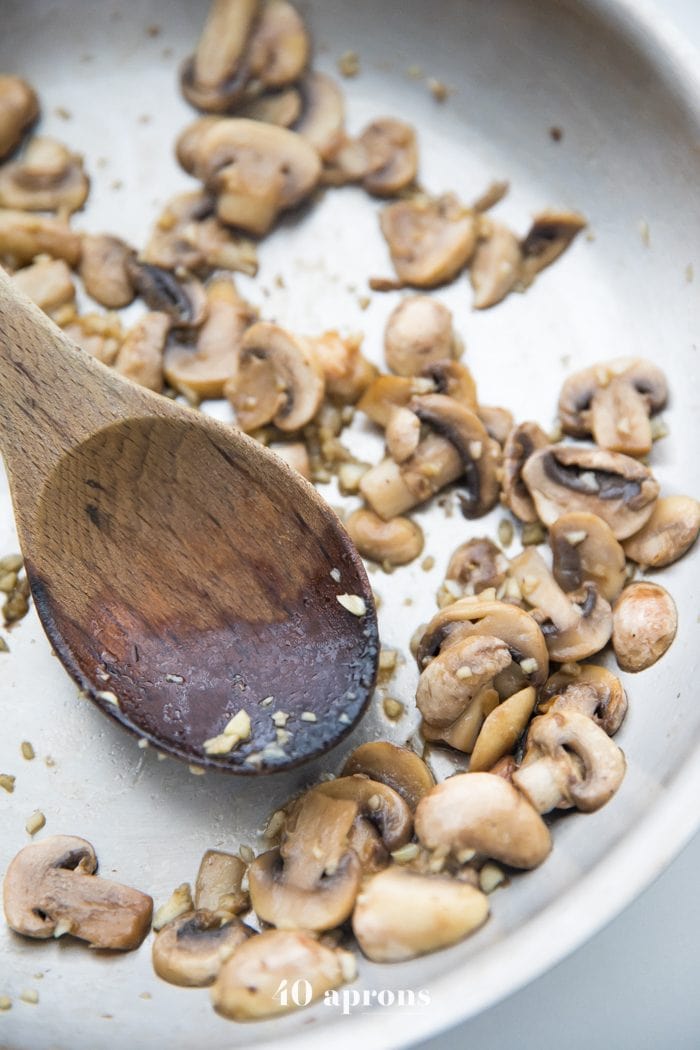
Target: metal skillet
x: 624, y: 93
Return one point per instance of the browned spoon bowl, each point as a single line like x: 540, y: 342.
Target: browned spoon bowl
x: 182, y: 572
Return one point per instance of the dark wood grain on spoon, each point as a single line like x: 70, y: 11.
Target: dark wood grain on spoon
x: 175, y: 563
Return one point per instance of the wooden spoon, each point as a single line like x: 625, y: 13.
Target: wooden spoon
x: 182, y: 572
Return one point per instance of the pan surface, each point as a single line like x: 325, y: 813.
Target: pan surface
x: 622, y: 92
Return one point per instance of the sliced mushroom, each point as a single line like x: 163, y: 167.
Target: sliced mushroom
x: 392, y: 156
x: 549, y: 236
x: 282, y: 108
x: 400, y: 914
x: 495, y: 268
x: 456, y: 381
x: 569, y: 761
x: 47, y: 177
x: 613, y: 401
x: 140, y: 356
x: 323, y: 118
x: 254, y: 170
x: 248, y: 985
x: 312, y: 879
x: 188, y: 236
x: 191, y: 950
x: 593, y: 691
x: 207, y: 366
x: 517, y: 628
x: 279, y: 380
x: 418, y: 334
x: 430, y: 241
x: 184, y: 301
x: 461, y: 734
x: 498, y: 421
x: 279, y: 47
x: 617, y: 488
x: 219, y: 884
x: 377, y: 803
x: 214, y: 79
x: 295, y: 454
x: 346, y: 370
x: 584, y: 549
x: 501, y: 730
x: 477, y: 565
x: 399, y: 767
x: 48, y: 283
x: 644, y: 625
x: 104, y: 270
x: 482, y: 812
x: 669, y: 533
x: 99, y: 334
x: 19, y: 108
x: 402, y: 434
x: 24, y: 236
x: 520, y: 444
x: 387, y: 393
x: 458, y: 675
x: 394, y: 542
x: 50, y: 889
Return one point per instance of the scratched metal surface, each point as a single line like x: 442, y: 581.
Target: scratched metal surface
x: 624, y: 95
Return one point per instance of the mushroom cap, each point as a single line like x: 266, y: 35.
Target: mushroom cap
x: 669, y: 533
x: 47, y: 177
x: 617, y: 488
x: 282, y: 373
x: 47, y: 282
x: 584, y: 549
x: 247, y: 987
x: 104, y: 270
x: 19, y: 108
x: 418, y: 333
x: 23, y: 236
x: 385, y: 393
x: 184, y: 301
x: 430, y: 241
x: 644, y: 625
x: 399, y: 767
x: 483, y: 812
x: 593, y: 691
x: 477, y: 565
x: 214, y: 78
x: 455, y: 380
x: 579, y: 390
x: 395, y: 542
x: 191, y: 949
x: 462, y: 733
x: 51, y: 882
x: 498, y: 421
x: 188, y: 236
x: 275, y: 107
x: 219, y: 880
x: 570, y: 757
x: 549, y: 236
x: 377, y: 803
x: 401, y: 914
x: 279, y: 47
x: 323, y: 116
x: 517, y: 628
x: 458, y: 674
x: 495, y: 268
x: 520, y: 444
x: 502, y: 729
x: 480, y: 455
x: 392, y: 156
x: 588, y: 635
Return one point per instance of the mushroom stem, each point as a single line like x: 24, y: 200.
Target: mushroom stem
x: 391, y: 488
x: 541, y: 785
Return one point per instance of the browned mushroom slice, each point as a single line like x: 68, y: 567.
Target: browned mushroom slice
x: 19, y: 108
x: 644, y: 625
x: 346, y: 370
x: 323, y: 117
x: 399, y: 767
x: 430, y: 241
x: 279, y: 47
x: 418, y: 334
x: 501, y: 730
x: 616, y: 488
x: 669, y: 533
x: 495, y: 268
x: 491, y: 196
x: 549, y: 236
x: 310, y: 881
x: 522, y: 441
x: 456, y: 381
x: 205, y: 367
x: 477, y: 565
x: 585, y: 549
x: 24, y: 236
x: 593, y: 691
x: 188, y: 235
x: 255, y: 170
x: 377, y: 803
x: 613, y: 401
x: 104, y: 270
x: 460, y: 672
x: 184, y: 301
x: 386, y: 393
x: 47, y: 177
x: 464, y: 731
x: 394, y: 542
x: 214, y: 79
x: 48, y: 283
x: 279, y: 380
x: 392, y: 156
x: 282, y: 108
x: 190, y: 950
x: 346, y: 163
x: 402, y: 434
x: 140, y: 356
x: 100, y: 334
x: 219, y: 883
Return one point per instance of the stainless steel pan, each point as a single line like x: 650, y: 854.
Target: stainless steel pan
x: 625, y: 94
